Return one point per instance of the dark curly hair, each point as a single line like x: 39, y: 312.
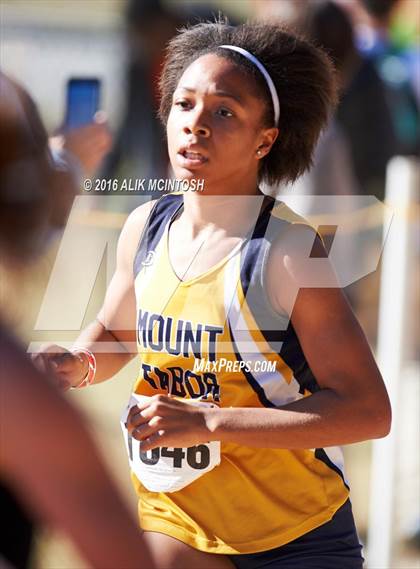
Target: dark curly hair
x: 302, y: 73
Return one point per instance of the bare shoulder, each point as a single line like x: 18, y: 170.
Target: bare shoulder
x: 136, y: 221
x: 298, y: 242
x: 131, y: 233
x: 297, y: 260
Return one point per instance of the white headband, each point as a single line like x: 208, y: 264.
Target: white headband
x: 269, y: 81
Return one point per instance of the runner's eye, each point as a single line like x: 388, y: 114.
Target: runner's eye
x: 183, y: 104
x: 225, y: 112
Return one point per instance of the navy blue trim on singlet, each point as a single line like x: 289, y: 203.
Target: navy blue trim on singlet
x: 253, y: 246
x: 293, y: 356
x: 248, y: 375
x: 321, y: 455
x: 162, y: 211
x: 282, y: 341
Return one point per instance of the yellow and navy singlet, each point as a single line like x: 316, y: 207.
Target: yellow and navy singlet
x: 256, y: 499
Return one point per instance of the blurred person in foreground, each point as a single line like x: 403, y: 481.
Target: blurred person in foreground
x: 50, y: 470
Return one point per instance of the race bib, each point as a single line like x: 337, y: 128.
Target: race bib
x: 168, y: 469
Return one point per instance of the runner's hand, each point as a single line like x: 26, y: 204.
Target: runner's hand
x: 66, y: 369
x: 165, y: 421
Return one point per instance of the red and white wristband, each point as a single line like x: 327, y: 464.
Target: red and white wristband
x: 90, y: 376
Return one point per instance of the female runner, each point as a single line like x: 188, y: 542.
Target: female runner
x: 214, y: 286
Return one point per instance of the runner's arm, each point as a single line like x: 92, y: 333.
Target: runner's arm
x: 112, y: 336
x: 352, y: 403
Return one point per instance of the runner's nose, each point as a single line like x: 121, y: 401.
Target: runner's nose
x: 196, y: 124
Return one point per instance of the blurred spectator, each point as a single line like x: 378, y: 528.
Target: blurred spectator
x: 332, y: 173
x: 398, y: 64
x: 288, y: 11
x: 80, y: 152
x: 50, y: 470
x: 140, y: 146
x: 363, y: 114
x: 352, y: 154
x: 84, y: 147
x: 139, y: 150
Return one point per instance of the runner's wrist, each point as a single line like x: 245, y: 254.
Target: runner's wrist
x: 86, y: 357
x: 212, y: 422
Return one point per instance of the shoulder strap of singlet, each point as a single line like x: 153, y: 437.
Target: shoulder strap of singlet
x: 275, y: 219
x: 160, y: 214
x: 254, y: 256
x: 276, y: 328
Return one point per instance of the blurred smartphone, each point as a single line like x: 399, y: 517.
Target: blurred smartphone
x: 83, y: 97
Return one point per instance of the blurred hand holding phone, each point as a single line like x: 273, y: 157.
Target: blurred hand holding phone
x: 85, y: 134
x: 83, y: 97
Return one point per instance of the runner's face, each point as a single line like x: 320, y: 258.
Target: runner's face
x: 215, y: 125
